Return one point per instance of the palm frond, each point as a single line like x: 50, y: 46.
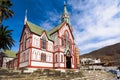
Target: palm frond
x: 5, y: 11
x: 6, y: 40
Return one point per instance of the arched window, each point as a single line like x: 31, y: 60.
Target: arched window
x: 56, y: 58
x: 40, y: 56
x: 62, y: 41
x: 43, y: 57
x: 61, y: 58
x: 24, y: 42
x: 24, y: 57
x: 66, y: 39
x: 70, y: 44
x: 36, y: 55
x: 43, y: 42
x: 49, y: 57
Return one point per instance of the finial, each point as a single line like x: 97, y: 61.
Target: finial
x: 25, y: 20
x: 64, y: 3
x: 26, y: 12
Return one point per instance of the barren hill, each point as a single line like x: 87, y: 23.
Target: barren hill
x: 106, y: 54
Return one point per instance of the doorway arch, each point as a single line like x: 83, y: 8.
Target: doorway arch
x: 68, y: 60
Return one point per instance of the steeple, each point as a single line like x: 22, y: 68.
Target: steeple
x: 25, y: 20
x: 65, y: 15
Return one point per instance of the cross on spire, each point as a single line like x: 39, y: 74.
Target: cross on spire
x: 25, y: 20
x: 64, y: 3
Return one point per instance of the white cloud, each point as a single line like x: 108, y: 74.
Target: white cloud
x: 97, y: 22
x: 54, y: 17
x: 101, y: 44
x: 46, y: 25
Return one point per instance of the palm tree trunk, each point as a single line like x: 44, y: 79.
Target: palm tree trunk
x: 0, y: 17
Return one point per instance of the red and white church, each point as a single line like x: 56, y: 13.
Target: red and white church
x: 53, y: 49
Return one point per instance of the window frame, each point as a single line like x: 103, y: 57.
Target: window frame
x: 43, y: 57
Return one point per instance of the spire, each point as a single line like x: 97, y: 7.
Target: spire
x: 65, y: 10
x: 25, y: 20
x: 65, y: 15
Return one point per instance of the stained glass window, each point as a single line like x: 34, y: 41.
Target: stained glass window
x: 62, y: 41
x: 66, y: 39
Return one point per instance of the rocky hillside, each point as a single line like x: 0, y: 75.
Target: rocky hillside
x: 106, y: 54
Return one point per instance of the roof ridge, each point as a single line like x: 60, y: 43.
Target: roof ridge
x: 35, y: 25
x: 37, y: 29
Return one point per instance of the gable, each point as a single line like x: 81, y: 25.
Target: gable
x: 66, y: 28
x: 26, y: 31
x: 34, y: 28
x: 44, y: 34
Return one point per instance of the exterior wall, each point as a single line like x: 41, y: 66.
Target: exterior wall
x: 5, y: 60
x: 36, y: 41
x: 15, y: 63
x: 41, y: 64
x: 24, y: 64
x: 12, y: 64
x: 36, y: 59
x: 50, y: 46
x: 55, y: 38
x: 24, y: 58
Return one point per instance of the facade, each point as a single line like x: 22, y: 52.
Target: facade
x: 6, y: 56
x: 47, y: 49
x: 12, y: 64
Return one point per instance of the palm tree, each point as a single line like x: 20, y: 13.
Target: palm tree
x: 5, y: 11
x: 6, y: 40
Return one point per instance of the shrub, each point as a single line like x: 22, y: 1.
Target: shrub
x: 4, y: 71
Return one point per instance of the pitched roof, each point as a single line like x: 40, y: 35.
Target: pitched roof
x: 37, y: 29
x: 9, y: 53
x: 34, y: 28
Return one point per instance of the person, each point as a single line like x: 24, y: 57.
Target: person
x: 118, y: 74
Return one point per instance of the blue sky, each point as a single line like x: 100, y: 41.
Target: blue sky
x: 95, y: 23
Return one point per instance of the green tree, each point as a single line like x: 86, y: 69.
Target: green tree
x: 6, y: 40
x: 5, y: 11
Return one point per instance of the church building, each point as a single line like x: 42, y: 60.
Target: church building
x: 54, y: 49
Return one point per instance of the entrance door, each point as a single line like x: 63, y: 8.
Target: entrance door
x: 68, y: 62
